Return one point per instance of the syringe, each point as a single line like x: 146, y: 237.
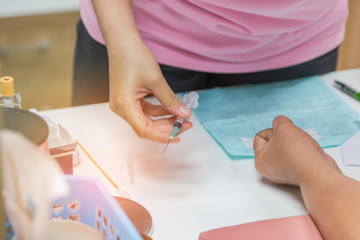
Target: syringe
x: 190, y: 100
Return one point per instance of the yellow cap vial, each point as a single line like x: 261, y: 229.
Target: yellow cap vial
x: 7, y: 86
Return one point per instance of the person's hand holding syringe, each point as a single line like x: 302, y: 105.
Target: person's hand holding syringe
x: 190, y: 100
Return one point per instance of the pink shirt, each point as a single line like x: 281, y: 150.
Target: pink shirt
x: 234, y: 36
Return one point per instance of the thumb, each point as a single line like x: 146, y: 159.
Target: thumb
x: 281, y: 120
x: 171, y: 102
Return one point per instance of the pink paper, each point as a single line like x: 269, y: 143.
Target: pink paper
x: 294, y: 228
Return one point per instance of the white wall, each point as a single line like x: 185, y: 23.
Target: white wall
x: 14, y: 8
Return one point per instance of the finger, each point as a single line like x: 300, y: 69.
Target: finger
x: 265, y: 134
x: 280, y: 120
x: 287, y: 127
x: 142, y: 124
x: 166, y: 125
x: 261, y: 139
x: 155, y: 130
x: 154, y: 110
x: 167, y: 97
x: 186, y: 126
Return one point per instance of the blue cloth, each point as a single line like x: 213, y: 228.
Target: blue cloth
x: 233, y: 115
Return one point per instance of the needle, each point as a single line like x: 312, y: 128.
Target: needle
x: 176, y: 129
x: 166, y: 147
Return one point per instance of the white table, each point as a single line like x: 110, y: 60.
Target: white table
x: 195, y: 186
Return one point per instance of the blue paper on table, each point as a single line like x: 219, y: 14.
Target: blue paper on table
x: 233, y: 115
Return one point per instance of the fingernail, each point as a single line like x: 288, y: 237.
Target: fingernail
x: 185, y: 110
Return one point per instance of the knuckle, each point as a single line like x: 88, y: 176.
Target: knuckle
x: 154, y: 79
x: 112, y: 106
x: 280, y: 119
x: 139, y: 132
x: 115, y: 108
x: 172, y: 99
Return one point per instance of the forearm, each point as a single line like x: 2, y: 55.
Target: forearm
x: 286, y: 154
x: 117, y: 24
x: 333, y: 201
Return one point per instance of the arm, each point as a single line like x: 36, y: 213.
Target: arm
x: 287, y: 155
x: 134, y: 73
x: 333, y: 201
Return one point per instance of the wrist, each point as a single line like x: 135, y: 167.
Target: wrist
x: 118, y: 46
x: 319, y: 174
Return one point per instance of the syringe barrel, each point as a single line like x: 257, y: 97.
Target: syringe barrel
x: 179, y: 121
x: 190, y: 101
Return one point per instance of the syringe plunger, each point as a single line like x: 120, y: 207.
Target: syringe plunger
x: 191, y: 100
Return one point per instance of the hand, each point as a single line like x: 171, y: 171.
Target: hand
x: 286, y: 154
x: 135, y: 73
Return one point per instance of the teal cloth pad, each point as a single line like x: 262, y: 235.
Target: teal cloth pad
x: 233, y: 115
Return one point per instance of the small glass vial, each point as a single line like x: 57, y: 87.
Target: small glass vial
x: 8, y: 98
